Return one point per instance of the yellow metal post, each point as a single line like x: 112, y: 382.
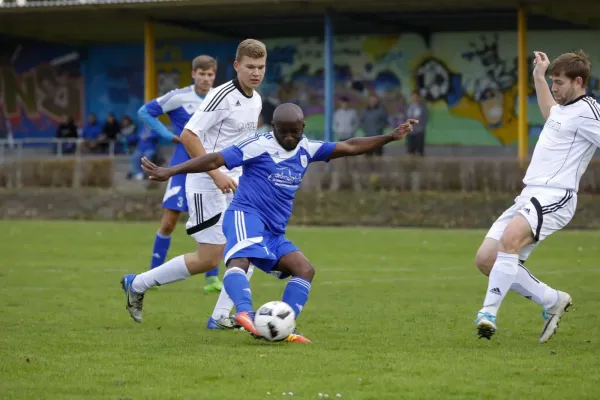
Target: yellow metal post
x: 150, y: 79
x: 522, y: 84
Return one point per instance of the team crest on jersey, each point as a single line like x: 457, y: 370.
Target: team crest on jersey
x: 285, y: 177
x: 304, y: 161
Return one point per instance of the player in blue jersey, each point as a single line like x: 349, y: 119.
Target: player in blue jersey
x: 256, y: 220
x: 179, y: 105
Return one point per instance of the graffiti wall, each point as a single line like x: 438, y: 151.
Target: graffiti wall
x: 39, y: 86
x: 468, y: 79
x: 115, y: 73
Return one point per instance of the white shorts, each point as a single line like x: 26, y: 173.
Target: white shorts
x: 546, y: 209
x: 206, y: 211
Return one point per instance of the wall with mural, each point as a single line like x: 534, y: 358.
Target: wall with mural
x: 39, y: 85
x: 469, y: 79
x: 115, y: 73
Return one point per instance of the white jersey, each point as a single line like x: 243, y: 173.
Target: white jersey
x: 226, y: 116
x: 566, y: 145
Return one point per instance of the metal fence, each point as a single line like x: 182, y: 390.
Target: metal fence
x: 19, y: 149
x: 19, y: 156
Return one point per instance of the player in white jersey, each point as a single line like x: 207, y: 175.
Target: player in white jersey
x: 548, y: 201
x: 179, y: 105
x: 227, y: 115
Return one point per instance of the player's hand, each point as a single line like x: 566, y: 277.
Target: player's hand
x: 176, y: 140
x: 402, y: 130
x: 155, y: 172
x: 540, y: 64
x: 224, y: 182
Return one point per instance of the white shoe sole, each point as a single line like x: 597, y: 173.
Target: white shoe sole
x: 552, y: 324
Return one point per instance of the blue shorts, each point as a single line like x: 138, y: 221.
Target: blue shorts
x: 175, y: 198
x: 248, y: 237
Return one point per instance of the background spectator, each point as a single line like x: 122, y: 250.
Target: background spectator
x: 374, y: 120
x: 110, y: 132
x: 91, y: 133
x: 67, y: 130
x: 345, y: 120
x: 415, y: 141
x: 128, y: 137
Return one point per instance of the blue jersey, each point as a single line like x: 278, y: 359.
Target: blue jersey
x: 271, y: 176
x: 179, y: 105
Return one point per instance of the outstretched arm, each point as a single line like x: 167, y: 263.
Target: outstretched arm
x: 205, y: 163
x: 362, y: 145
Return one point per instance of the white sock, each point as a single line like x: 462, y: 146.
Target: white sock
x: 501, y: 279
x: 172, y: 271
x: 532, y: 288
x: 224, y: 303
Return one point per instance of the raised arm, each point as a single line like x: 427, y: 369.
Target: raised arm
x: 362, y: 145
x: 542, y: 91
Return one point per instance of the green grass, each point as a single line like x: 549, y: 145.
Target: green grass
x: 390, y: 315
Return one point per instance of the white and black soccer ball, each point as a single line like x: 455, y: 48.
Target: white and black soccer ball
x: 275, y: 320
x: 432, y: 80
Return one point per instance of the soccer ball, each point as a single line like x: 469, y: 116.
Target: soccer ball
x: 275, y: 321
x: 433, y: 80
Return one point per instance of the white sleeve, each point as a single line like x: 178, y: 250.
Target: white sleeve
x: 590, y: 130
x: 210, y: 113
x: 170, y: 101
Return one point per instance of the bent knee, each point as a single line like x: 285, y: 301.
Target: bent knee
x: 305, y: 272
x: 484, y: 260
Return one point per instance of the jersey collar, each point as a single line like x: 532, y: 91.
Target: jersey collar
x: 576, y: 100
x: 237, y: 85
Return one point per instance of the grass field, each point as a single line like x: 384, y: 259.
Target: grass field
x: 390, y: 315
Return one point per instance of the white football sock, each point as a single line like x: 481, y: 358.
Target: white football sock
x: 532, y: 288
x: 501, y: 279
x: 172, y: 271
x: 224, y: 303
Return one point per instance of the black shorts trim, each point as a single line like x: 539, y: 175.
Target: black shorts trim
x: 540, y: 214
x: 204, y: 225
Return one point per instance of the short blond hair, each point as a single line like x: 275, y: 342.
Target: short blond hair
x: 251, y: 48
x: 204, y: 62
x: 573, y: 64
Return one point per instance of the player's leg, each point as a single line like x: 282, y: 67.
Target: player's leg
x: 245, y: 234
x: 530, y: 223
x: 525, y: 283
x: 296, y: 292
x: 162, y: 241
x: 291, y: 262
x: 504, y: 271
x: 174, y: 203
x: 174, y: 270
x: 220, y: 318
x: 237, y: 286
x: 203, y: 208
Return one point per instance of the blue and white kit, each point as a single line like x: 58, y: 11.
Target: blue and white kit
x: 179, y: 105
x: 256, y: 220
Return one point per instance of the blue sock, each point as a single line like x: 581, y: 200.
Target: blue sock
x: 213, y: 272
x: 296, y: 294
x: 160, y: 250
x: 238, y: 288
